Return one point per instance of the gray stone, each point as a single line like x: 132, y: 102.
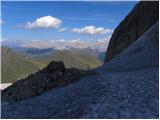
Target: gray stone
x: 139, y: 20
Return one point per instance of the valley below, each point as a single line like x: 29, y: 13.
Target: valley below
x: 18, y: 63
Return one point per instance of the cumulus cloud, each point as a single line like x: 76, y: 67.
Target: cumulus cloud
x: 44, y: 22
x: 91, y: 30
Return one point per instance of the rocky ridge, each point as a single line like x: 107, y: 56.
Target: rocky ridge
x: 139, y: 20
x: 52, y: 76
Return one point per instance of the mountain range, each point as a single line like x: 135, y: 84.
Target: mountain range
x: 99, y: 45
x: 19, y: 62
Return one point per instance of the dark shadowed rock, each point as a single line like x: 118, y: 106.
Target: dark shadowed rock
x: 55, y: 66
x: 52, y: 76
x: 139, y: 20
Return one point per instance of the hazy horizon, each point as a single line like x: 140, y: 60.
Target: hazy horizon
x: 28, y: 23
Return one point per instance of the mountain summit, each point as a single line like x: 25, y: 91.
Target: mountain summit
x: 139, y: 20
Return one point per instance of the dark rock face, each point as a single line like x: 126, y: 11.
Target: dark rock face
x: 52, y: 76
x: 142, y: 54
x: 138, y: 21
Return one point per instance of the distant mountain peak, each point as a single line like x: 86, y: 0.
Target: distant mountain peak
x: 61, y: 44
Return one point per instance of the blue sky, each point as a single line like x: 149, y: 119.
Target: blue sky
x: 77, y: 20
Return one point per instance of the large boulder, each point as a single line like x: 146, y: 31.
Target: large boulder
x: 139, y: 20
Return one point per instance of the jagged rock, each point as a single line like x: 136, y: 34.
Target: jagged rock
x: 55, y: 66
x: 52, y: 76
x: 139, y: 20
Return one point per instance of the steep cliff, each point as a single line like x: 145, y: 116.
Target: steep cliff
x: 138, y: 21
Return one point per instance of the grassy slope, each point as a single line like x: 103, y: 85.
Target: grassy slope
x: 73, y: 59
x: 16, y: 66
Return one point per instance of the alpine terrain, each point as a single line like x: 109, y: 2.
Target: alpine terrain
x: 125, y: 86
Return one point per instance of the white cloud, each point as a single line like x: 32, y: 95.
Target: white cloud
x: 44, y: 22
x: 91, y: 30
x: 62, y: 29
x: 2, y: 21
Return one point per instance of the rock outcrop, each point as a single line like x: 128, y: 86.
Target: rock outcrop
x: 139, y: 20
x: 52, y: 76
x: 142, y: 54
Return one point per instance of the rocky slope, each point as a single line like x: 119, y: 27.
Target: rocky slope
x: 127, y: 92
x: 52, y: 76
x: 141, y: 54
x: 138, y: 21
x: 110, y: 96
